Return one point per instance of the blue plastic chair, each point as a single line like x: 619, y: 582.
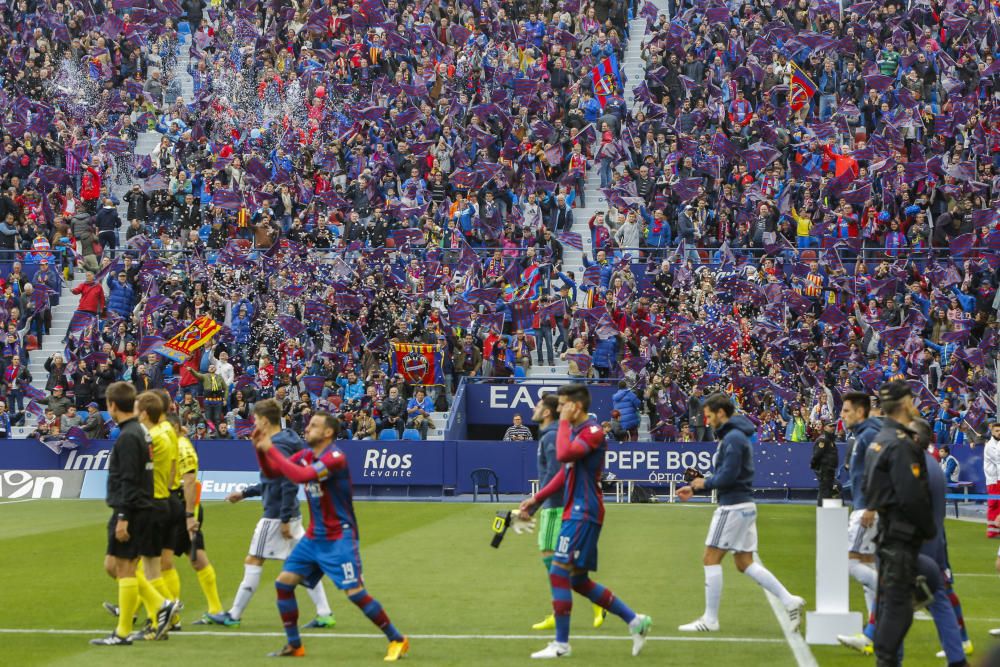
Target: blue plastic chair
x: 519, y: 372
x: 388, y: 434
x: 411, y: 434
x: 486, y: 478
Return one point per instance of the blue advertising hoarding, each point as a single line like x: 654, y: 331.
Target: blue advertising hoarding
x: 432, y: 466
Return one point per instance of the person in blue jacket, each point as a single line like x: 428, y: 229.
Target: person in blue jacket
x: 277, y: 532
x: 734, y: 524
x: 240, y: 321
x: 627, y: 404
x: 121, y: 295
x: 605, y: 355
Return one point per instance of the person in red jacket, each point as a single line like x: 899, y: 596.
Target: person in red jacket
x: 91, y: 295
x: 90, y: 189
x: 842, y: 162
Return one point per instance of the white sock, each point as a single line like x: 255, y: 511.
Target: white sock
x: 865, y: 574
x: 318, y: 596
x: 251, y: 579
x: 768, y: 582
x: 713, y: 592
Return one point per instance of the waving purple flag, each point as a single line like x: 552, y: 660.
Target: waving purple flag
x: 290, y: 325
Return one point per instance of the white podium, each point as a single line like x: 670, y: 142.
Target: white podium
x: 833, y: 615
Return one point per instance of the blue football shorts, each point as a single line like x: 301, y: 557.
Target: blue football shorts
x: 338, y: 559
x: 577, y: 544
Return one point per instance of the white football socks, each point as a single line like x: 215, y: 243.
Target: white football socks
x: 713, y: 592
x: 251, y: 579
x: 866, y: 575
x: 769, y: 582
x: 318, y: 596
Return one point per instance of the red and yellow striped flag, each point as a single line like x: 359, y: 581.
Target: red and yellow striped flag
x: 190, y: 339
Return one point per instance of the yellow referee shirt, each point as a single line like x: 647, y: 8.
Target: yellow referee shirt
x: 187, y: 457
x: 164, y: 459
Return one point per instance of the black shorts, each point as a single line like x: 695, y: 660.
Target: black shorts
x: 165, y: 518
x: 182, y: 543
x: 139, y: 531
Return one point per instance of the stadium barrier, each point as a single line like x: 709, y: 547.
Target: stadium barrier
x: 29, y: 469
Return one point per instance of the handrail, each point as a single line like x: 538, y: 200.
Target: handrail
x: 551, y: 379
x: 455, y: 400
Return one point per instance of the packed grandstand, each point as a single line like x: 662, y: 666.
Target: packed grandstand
x: 357, y: 206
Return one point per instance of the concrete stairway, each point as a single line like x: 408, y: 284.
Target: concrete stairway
x: 63, y: 313
x: 53, y: 343
x: 633, y: 69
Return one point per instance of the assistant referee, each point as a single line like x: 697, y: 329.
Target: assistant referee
x: 130, y: 496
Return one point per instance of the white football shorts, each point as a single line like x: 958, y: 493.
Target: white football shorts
x: 734, y: 528
x: 859, y: 539
x: 268, y: 543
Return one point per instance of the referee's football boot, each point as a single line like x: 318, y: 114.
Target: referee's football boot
x: 111, y: 640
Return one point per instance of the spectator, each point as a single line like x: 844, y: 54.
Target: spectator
x: 393, y: 412
x: 418, y: 413
x: 69, y: 419
x: 94, y: 426
x: 91, y: 295
x: 517, y: 431
x: 949, y: 465
x: 364, y: 425
x: 628, y: 405
x: 215, y: 392
x: 57, y: 402
x: 579, y: 360
x: 121, y: 295
x: 190, y: 410
x: 6, y: 430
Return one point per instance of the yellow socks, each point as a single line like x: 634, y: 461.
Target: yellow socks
x: 161, y: 587
x: 206, y: 579
x: 173, y: 581
x: 128, y: 601
x: 152, y: 600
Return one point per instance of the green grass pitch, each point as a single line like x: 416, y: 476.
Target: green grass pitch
x: 431, y: 566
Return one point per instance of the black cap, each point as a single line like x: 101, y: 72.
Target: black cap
x: 894, y: 391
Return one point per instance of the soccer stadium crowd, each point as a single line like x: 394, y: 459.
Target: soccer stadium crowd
x: 799, y: 202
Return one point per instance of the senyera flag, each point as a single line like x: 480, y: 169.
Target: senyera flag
x: 418, y: 364
x: 196, y: 334
x: 607, y: 79
x: 802, y: 89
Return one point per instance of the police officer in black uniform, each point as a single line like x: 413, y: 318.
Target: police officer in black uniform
x: 824, y: 460
x: 896, y: 487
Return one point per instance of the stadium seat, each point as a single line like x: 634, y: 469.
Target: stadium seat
x: 486, y: 478
x: 519, y: 372
x: 411, y: 434
x: 388, y: 434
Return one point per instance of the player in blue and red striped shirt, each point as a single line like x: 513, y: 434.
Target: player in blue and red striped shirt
x: 330, y: 545
x: 580, y: 446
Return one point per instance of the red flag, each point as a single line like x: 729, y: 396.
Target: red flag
x: 802, y: 89
x: 418, y: 364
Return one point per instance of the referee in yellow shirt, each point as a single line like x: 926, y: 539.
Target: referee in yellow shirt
x: 188, y: 538
x: 165, y: 513
x: 130, y: 495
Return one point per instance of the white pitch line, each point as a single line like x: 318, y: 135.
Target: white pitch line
x: 975, y: 574
x: 11, y: 502
x: 796, y: 642
x: 803, y: 656
x: 335, y: 635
